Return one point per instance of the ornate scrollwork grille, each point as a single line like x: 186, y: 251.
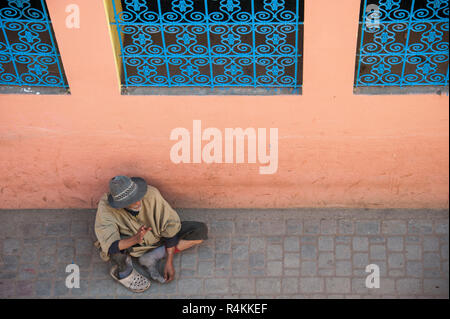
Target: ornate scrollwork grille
x: 207, y: 43
x: 403, y: 43
x: 28, y: 52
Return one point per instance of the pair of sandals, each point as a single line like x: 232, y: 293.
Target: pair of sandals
x: 134, y: 281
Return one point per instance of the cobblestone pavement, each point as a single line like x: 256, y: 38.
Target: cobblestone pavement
x: 303, y: 253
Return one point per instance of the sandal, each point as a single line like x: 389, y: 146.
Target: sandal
x: 134, y: 281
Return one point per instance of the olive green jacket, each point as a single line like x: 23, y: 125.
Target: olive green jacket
x: 111, y: 223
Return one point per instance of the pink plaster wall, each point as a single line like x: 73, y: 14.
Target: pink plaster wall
x: 335, y: 148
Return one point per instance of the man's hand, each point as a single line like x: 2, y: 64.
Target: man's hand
x: 169, y: 271
x: 135, y: 239
x: 141, y: 233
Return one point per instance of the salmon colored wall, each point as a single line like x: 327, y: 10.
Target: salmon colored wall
x: 335, y: 148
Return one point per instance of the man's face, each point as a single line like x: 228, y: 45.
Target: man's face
x: 135, y: 206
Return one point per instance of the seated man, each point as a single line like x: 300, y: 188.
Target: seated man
x: 134, y: 219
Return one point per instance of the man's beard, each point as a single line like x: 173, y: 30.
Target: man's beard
x: 134, y: 208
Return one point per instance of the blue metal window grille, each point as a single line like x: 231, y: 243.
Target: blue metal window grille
x: 28, y: 52
x: 226, y: 43
x: 403, y: 43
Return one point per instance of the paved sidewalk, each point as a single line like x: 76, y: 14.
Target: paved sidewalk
x: 303, y: 253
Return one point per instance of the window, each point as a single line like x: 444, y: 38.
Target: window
x: 403, y: 44
x: 212, y: 45
x: 29, y: 57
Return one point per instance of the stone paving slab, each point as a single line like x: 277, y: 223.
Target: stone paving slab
x: 293, y: 253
